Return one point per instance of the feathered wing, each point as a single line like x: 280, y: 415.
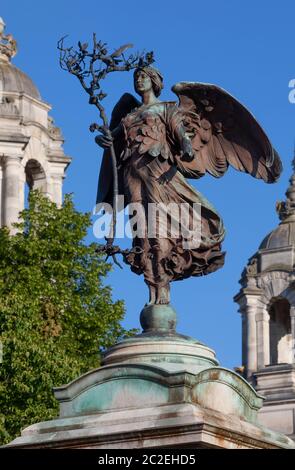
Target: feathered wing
x: 223, y: 132
x: 124, y: 106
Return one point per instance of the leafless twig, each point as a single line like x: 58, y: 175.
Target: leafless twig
x: 90, y: 67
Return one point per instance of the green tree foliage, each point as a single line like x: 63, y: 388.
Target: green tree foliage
x: 56, y: 316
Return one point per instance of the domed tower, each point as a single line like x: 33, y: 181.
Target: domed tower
x: 30, y: 145
x: 267, y: 306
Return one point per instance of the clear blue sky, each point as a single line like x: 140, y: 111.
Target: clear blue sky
x: 246, y: 48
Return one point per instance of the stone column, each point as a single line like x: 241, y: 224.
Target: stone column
x: 248, y: 299
x: 22, y: 182
x: 11, y: 190
x: 1, y: 197
x: 56, y: 191
x: 251, y: 339
x: 262, y: 321
x: 40, y: 183
x: 292, y: 316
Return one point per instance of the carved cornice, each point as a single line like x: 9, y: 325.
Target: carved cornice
x: 245, y: 292
x: 12, y: 139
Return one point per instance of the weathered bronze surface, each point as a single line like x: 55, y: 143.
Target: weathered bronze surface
x: 152, y: 146
x: 157, y: 145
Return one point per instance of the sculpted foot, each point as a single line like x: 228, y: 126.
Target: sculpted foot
x: 163, y: 295
x: 152, y: 299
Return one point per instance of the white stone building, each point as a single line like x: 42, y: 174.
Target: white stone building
x: 267, y: 306
x: 30, y: 145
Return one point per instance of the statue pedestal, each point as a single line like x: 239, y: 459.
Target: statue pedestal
x: 158, y: 389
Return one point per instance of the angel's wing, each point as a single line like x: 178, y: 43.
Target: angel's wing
x: 223, y: 132
x: 124, y: 106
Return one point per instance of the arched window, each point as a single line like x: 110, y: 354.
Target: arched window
x: 280, y: 337
x: 35, y: 178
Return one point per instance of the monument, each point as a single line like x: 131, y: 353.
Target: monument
x: 30, y: 144
x: 161, y: 388
x: 267, y: 306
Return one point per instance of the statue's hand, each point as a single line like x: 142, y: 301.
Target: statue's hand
x: 187, y: 153
x: 104, y: 141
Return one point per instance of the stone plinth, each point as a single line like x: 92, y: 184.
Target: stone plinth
x: 156, y: 390
x: 277, y: 385
x: 182, y: 425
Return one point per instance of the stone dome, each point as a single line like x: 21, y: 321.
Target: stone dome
x: 13, y: 79
x: 280, y: 237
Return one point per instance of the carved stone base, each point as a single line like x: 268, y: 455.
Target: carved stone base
x: 162, y: 390
x: 277, y: 385
x: 182, y: 425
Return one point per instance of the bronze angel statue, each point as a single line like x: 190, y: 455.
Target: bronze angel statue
x: 158, y: 144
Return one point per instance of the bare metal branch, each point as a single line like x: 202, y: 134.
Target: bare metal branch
x: 90, y: 67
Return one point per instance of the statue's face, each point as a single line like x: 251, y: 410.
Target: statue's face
x: 142, y: 82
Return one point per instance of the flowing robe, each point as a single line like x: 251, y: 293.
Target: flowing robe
x: 150, y: 169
